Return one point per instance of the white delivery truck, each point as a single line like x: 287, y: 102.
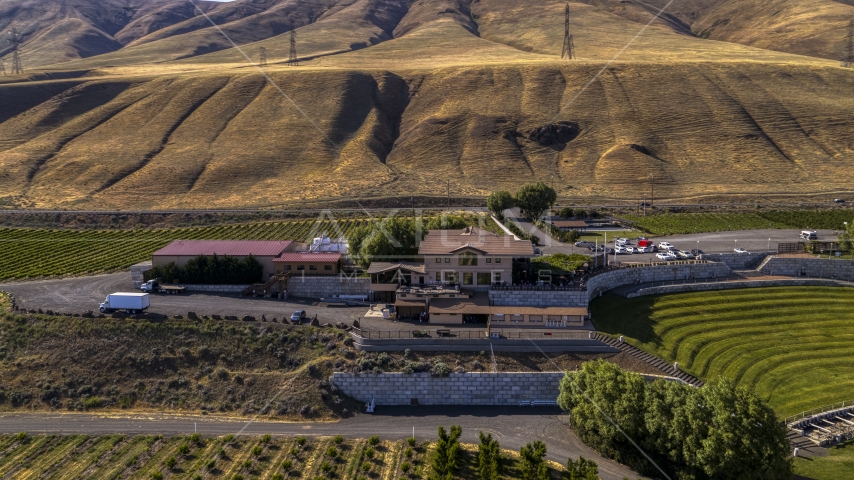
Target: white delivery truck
x: 130, y: 302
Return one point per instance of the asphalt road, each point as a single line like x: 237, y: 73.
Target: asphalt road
x: 512, y: 427
x: 81, y: 294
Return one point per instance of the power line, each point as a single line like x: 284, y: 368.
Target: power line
x: 15, y: 40
x: 568, y: 44
x: 292, y: 57
x: 262, y: 61
x: 848, y: 59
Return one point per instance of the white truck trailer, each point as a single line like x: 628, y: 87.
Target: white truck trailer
x: 130, y: 302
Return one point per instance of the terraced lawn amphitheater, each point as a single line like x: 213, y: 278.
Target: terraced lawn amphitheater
x: 792, y: 345
x: 155, y: 457
x: 33, y: 253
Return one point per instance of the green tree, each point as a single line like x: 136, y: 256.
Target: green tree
x: 446, y: 458
x: 488, y: 458
x: 583, y: 469
x: 533, y: 461
x: 534, y: 199
x: 566, y: 212
x: 499, y: 201
x: 572, y: 236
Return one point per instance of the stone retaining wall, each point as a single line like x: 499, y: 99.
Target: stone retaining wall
x: 699, y: 287
x: 609, y: 280
x: 809, y: 267
x: 580, y: 345
x: 327, y: 286
x: 735, y: 261
x: 472, y: 388
x: 513, y: 298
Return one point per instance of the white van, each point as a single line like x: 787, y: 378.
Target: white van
x: 809, y: 235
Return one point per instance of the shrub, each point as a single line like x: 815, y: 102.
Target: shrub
x: 331, y: 452
x: 221, y: 373
x: 228, y: 438
x: 287, y: 465
x: 445, y: 460
x: 533, y: 464
x: 411, y: 441
x: 170, y: 463
x: 247, y: 464
x: 369, y: 452
x: 338, y: 439
x: 300, y: 441
x: 156, y: 476
x: 211, y: 464
x: 212, y: 270
x: 237, y: 476
x: 266, y: 438
x: 440, y: 369
x: 183, y: 449
x: 277, y: 476
x: 21, y: 437
x: 196, y: 438
x: 325, y: 467
x: 374, y: 440
x: 404, y: 467
x: 256, y: 450
x: 366, y: 467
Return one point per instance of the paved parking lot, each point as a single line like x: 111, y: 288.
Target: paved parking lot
x: 715, y: 242
x: 81, y: 294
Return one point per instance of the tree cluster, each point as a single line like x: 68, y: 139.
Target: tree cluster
x: 488, y: 458
x: 569, y: 212
x: 532, y: 199
x: 213, y: 270
x: 445, y: 462
x: 718, y: 431
x: 395, y: 239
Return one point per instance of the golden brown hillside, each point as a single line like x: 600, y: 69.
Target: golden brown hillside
x: 400, y: 99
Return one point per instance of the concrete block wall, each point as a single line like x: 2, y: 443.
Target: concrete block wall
x: 503, y: 298
x: 809, y: 267
x: 606, y: 281
x: 473, y: 388
x: 327, y: 286
x: 700, y: 287
x: 216, y: 288
x: 735, y: 261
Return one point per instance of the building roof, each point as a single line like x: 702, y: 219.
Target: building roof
x: 236, y: 248
x: 410, y: 303
x: 570, y: 224
x: 479, y: 305
x: 316, y: 257
x: 382, y: 267
x: 446, y: 242
x: 570, y: 311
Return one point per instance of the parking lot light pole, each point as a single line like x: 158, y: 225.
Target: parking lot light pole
x: 769, y: 245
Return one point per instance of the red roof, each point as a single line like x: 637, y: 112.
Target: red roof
x: 323, y: 257
x: 235, y: 248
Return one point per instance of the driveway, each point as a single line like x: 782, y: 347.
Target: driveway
x: 512, y: 427
x: 81, y: 294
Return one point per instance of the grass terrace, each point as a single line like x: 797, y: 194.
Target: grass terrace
x: 792, y: 345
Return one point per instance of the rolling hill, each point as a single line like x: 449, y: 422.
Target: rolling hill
x: 395, y: 98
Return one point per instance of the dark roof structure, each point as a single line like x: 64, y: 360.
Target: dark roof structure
x: 230, y: 248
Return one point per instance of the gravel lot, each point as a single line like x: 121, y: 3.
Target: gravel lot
x: 81, y: 294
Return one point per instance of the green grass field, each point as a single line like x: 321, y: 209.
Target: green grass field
x: 152, y: 457
x: 32, y: 253
x: 793, y: 345
x: 838, y: 465
x: 681, y: 223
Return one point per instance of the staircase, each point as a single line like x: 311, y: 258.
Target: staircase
x: 649, y: 359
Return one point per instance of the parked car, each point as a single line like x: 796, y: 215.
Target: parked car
x: 696, y: 251
x: 666, y: 246
x: 298, y: 316
x: 608, y: 250
x: 632, y: 250
x: 584, y: 244
x: 664, y: 256
x: 741, y: 250
x: 620, y: 250
x: 645, y: 249
x: 684, y: 254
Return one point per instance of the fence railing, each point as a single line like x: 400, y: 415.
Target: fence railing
x: 818, y: 410
x: 537, y: 288
x: 469, y: 334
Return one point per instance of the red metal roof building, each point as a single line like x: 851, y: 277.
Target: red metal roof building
x: 265, y: 251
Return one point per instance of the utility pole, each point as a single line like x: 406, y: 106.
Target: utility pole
x: 262, y: 61
x: 292, y: 57
x: 449, y: 196
x: 652, y: 192
x: 848, y: 59
x: 15, y: 39
x: 568, y: 44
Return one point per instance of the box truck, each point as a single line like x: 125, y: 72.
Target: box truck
x: 129, y: 302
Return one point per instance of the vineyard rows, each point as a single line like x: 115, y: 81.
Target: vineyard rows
x: 154, y: 457
x: 682, y: 223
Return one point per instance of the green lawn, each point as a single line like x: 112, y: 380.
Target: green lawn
x: 839, y: 465
x: 793, y: 345
x: 679, y: 223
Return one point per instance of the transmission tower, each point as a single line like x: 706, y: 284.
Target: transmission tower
x: 263, y: 57
x: 568, y: 45
x: 292, y: 57
x: 848, y: 59
x: 15, y: 40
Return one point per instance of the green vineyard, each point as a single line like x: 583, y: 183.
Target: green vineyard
x: 683, y: 223
x: 33, y: 253
x: 155, y: 457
